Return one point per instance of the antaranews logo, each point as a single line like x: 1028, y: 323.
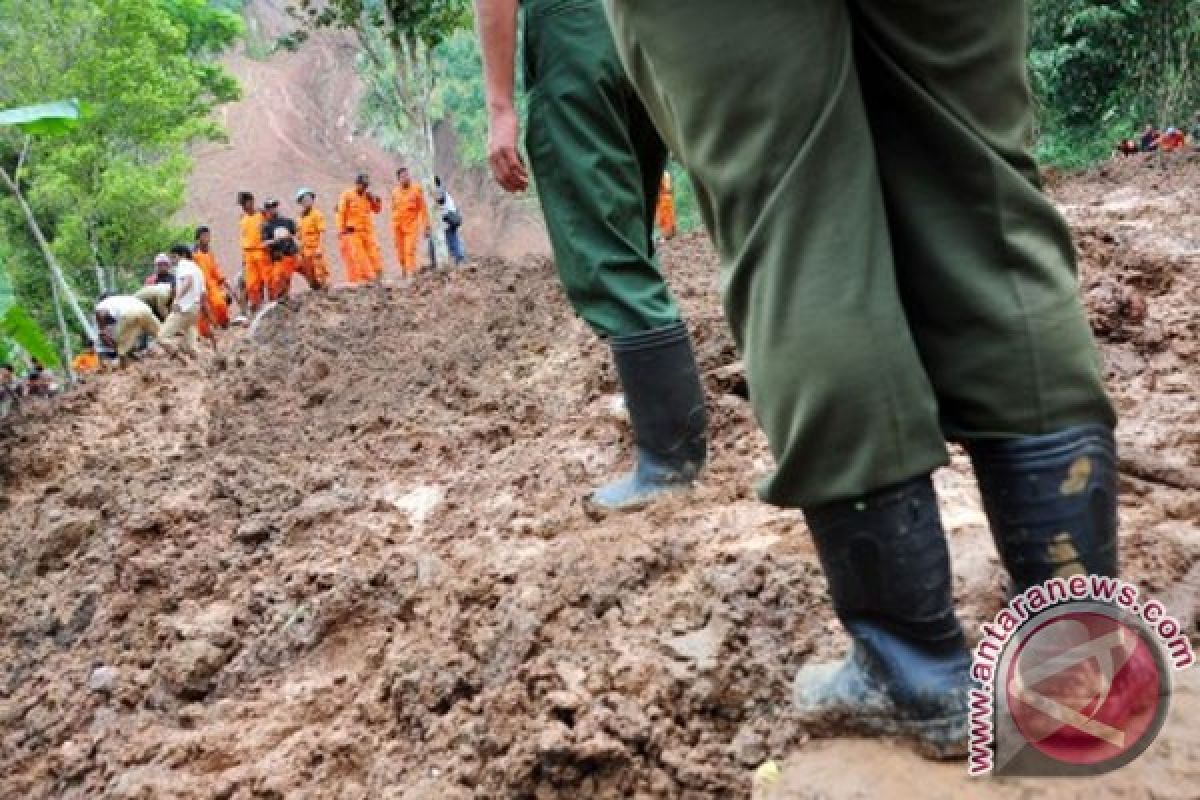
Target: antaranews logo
x: 1073, y: 677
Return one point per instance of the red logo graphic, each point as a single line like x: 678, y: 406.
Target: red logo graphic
x: 1087, y: 690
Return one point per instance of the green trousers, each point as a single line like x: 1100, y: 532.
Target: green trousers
x: 893, y: 274
x: 597, y: 160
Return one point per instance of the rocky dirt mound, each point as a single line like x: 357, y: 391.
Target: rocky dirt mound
x: 347, y: 558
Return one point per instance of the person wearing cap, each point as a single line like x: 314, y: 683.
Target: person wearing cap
x: 279, y: 235
x: 452, y: 220
x: 311, y: 262
x: 159, y: 289
x: 597, y: 159
x: 410, y: 220
x: 256, y: 262
x: 216, y: 301
x: 355, y: 222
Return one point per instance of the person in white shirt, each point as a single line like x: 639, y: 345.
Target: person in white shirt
x: 121, y: 320
x: 189, y: 301
x: 452, y: 220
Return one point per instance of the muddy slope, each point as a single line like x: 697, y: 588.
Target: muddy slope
x: 347, y: 558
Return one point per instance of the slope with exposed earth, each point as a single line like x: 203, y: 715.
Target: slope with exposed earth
x: 347, y: 557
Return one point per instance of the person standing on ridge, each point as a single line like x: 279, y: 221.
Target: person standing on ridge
x: 311, y: 228
x: 216, y: 301
x: 410, y: 221
x: 256, y: 262
x: 664, y: 214
x: 355, y: 222
x: 598, y: 161
x: 935, y: 301
x: 279, y: 235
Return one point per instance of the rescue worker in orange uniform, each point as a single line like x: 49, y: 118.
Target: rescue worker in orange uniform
x: 311, y: 229
x: 410, y: 220
x: 216, y: 288
x: 356, y: 231
x: 664, y: 212
x: 256, y: 262
x: 279, y: 235
x: 87, y: 360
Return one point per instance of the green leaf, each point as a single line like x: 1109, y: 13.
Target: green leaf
x: 44, y: 119
x: 18, y: 327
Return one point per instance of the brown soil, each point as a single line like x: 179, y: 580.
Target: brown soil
x: 347, y: 557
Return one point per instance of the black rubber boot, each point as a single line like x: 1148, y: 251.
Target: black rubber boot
x: 1052, y: 502
x: 665, y: 400
x: 888, y: 570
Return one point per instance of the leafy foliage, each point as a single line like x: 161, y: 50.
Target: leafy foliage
x: 105, y: 193
x: 1103, y: 70
x: 18, y: 328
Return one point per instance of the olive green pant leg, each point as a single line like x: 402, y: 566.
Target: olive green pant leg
x: 597, y: 160
x: 985, y: 262
x: 761, y: 103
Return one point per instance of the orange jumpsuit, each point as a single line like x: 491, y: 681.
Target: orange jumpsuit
x: 216, y: 304
x: 360, y: 248
x: 312, y: 265
x: 410, y: 221
x: 85, y: 362
x: 256, y: 261
x: 664, y: 214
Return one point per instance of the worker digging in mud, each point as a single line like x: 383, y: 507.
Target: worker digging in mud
x: 410, y: 221
x: 122, y: 321
x: 187, y: 304
x: 216, y: 288
x: 936, y: 300
x: 664, y: 212
x: 355, y: 220
x: 311, y: 263
x: 598, y: 161
x: 279, y: 235
x: 256, y: 262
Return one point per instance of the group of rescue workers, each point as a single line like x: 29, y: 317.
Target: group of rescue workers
x: 189, y: 296
x: 1153, y: 140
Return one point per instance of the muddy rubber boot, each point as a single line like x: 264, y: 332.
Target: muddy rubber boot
x: 665, y: 400
x: 888, y: 569
x: 1051, y: 502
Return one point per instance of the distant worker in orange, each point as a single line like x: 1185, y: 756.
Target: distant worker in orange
x: 311, y: 228
x: 664, y: 213
x: 410, y: 220
x: 87, y: 360
x: 256, y: 262
x: 356, y: 231
x: 216, y: 288
x: 1172, y: 140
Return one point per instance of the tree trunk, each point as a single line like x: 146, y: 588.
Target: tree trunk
x: 68, y: 355
x: 51, y: 262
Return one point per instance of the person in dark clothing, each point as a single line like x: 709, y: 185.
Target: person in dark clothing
x: 279, y: 236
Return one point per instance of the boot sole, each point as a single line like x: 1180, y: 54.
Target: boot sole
x: 938, y: 739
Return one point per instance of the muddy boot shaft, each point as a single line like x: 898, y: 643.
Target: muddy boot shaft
x: 665, y: 400
x: 888, y: 569
x: 1052, y: 502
